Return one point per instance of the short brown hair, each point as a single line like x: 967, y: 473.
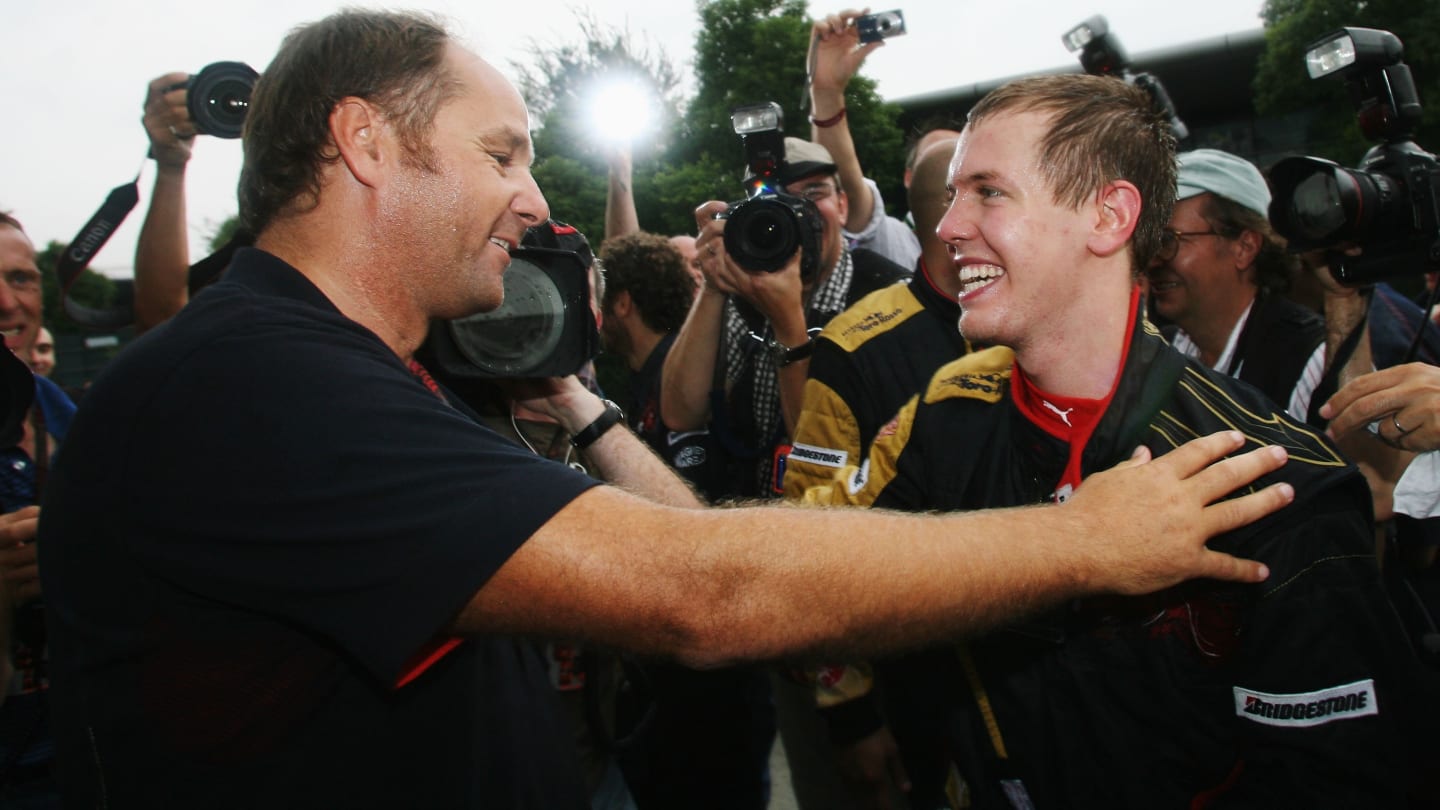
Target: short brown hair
x: 395, y: 60
x: 1101, y: 130
x: 649, y: 268
x: 7, y: 219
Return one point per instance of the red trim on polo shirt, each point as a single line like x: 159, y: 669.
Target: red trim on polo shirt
x: 430, y: 653
x: 438, y: 648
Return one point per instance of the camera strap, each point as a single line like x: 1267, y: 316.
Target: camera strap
x: 75, y: 258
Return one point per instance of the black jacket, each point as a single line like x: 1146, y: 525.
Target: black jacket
x: 1287, y: 693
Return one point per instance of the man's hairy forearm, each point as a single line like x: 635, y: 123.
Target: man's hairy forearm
x: 621, y: 459
x: 714, y: 586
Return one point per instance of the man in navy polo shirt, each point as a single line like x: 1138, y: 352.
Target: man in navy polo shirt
x: 283, y: 567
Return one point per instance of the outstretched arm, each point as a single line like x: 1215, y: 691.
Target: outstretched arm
x: 757, y: 583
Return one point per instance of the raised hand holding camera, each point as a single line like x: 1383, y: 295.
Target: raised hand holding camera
x: 167, y: 122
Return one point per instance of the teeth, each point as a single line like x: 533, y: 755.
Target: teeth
x: 12, y: 332
x: 501, y: 243
x: 975, y: 276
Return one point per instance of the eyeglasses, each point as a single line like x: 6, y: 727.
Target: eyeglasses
x: 816, y: 192
x: 21, y: 280
x: 1170, y: 241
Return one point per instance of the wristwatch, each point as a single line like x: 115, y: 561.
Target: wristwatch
x: 610, y: 418
x: 785, y: 355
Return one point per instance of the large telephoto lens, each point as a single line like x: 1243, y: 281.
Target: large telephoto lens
x: 219, y: 98
x: 519, y: 336
x: 1320, y: 204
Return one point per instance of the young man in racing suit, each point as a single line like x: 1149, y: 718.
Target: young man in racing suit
x: 1287, y: 693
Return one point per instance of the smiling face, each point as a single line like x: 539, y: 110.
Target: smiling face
x: 1208, y: 278
x: 466, y: 203
x: 1017, y: 251
x: 20, y: 295
x: 42, y: 354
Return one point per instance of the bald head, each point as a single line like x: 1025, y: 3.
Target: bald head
x: 923, y: 145
x: 927, y: 186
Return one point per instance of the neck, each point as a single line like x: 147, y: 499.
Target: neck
x: 1212, y: 333
x: 1080, y: 356
x: 939, y: 269
x: 366, y: 292
x: 642, y: 344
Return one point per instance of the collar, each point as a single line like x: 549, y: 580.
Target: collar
x: 263, y: 273
x: 922, y: 284
x: 829, y: 297
x: 1186, y: 346
x: 1073, y: 420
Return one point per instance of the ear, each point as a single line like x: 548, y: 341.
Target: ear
x: 621, y: 304
x: 1247, y: 247
x: 359, y: 132
x: 1117, y: 211
x: 842, y: 204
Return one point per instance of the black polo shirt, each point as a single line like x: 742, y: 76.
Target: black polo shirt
x: 258, y: 528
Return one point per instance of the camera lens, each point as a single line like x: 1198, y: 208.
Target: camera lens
x: 219, y: 98
x: 1317, y: 207
x: 761, y: 235
x: 1319, y: 203
x: 518, y: 337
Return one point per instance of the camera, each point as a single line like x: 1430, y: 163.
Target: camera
x: 543, y: 328
x: 767, y: 227
x: 219, y: 98
x: 1390, y: 205
x: 885, y: 24
x: 1101, y: 54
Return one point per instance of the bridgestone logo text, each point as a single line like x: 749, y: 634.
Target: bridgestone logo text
x: 1308, y: 708
x: 823, y: 456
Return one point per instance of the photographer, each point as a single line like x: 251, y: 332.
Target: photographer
x: 836, y: 54
x: 739, y: 362
x: 1220, y: 277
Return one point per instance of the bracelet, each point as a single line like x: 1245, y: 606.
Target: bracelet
x: 610, y: 418
x: 829, y: 122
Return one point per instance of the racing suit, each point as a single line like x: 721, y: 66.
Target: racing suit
x: 1290, y: 692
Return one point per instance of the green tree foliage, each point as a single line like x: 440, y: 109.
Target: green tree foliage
x: 90, y: 289
x: 747, y: 51
x: 1282, y: 85
x: 224, y: 232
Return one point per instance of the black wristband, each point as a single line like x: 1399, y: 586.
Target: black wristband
x: 610, y: 418
x: 798, y: 353
x: 783, y: 355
